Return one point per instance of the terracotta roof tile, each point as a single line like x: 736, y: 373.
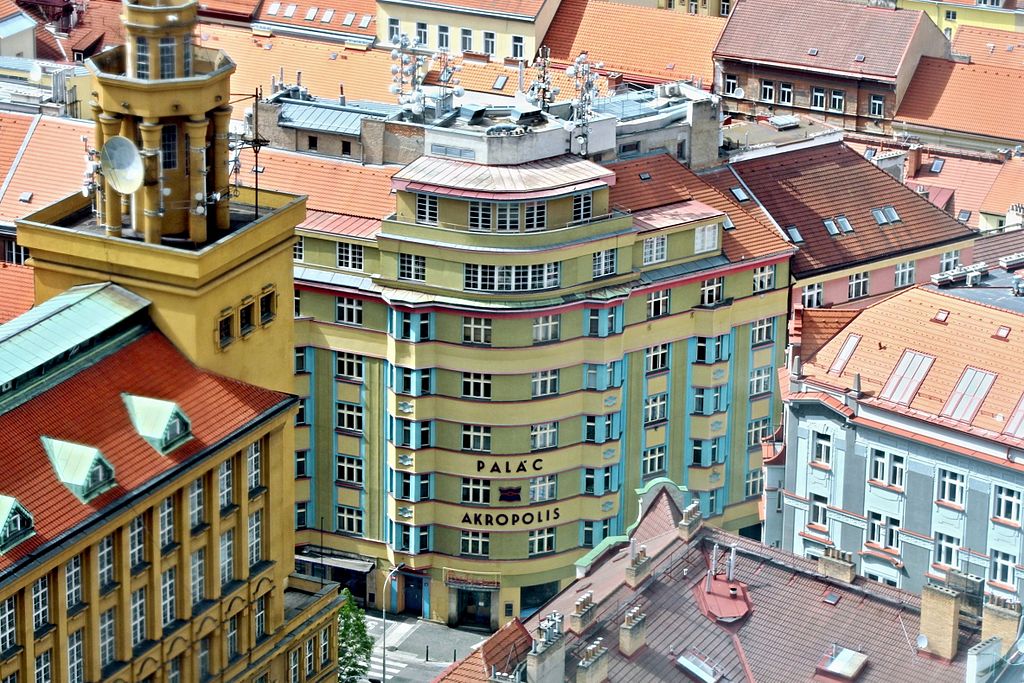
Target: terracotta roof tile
x: 508, y: 645
x: 17, y: 290
x: 36, y: 172
x: 671, y: 182
x: 990, y: 46
x: 941, y: 91
x: 8, y: 8
x: 13, y: 128
x: 838, y: 31
x: 329, y: 15
x: 521, y: 8
x: 92, y: 412
x: 48, y: 46
x: 1007, y: 189
x: 676, y: 45
x: 990, y: 248
x: 229, y: 9
x: 803, y: 187
x: 819, y: 325
x: 366, y: 74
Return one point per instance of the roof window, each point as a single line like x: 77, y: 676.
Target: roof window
x: 970, y: 391
x: 326, y: 17
x: 82, y: 469
x: 161, y: 423
x: 832, y: 598
x: 645, y: 176
x: 499, y: 82
x: 1002, y: 332
x: 842, y: 663
x: 858, y: 58
x: 274, y: 8
x: 813, y: 52
x: 727, y: 224
x: 844, y: 223
x: 830, y: 226
x: 1015, y: 425
x: 365, y: 21
x: 844, y: 355
x: 963, y: 215
x: 941, y: 316
x: 869, y: 153
x: 907, y: 377
x: 16, y: 523
x: 311, y: 13
x: 349, y: 18
x: 890, y: 213
x: 289, y: 11
x: 794, y: 234
x: 937, y: 165
x: 739, y: 193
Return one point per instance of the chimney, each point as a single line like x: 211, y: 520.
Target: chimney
x: 545, y: 663
x: 639, y: 565
x: 632, y: 632
x: 691, y: 522
x: 980, y: 659
x: 1001, y: 618
x: 795, y: 367
x: 614, y: 81
x: 913, y: 160
x: 730, y: 567
x: 940, y: 620
x: 837, y: 564
x: 593, y: 666
x: 298, y: 77
x: 583, y: 613
x: 341, y: 94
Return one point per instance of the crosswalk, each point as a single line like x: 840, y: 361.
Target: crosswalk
x: 397, y: 661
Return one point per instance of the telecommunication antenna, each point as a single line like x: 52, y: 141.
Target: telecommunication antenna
x: 407, y: 77
x: 584, y: 75
x: 254, y: 141
x: 541, y: 92
x: 121, y: 165
x: 448, y: 78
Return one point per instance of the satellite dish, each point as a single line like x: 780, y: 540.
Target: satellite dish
x: 121, y: 164
x: 922, y: 641
x: 739, y: 93
x: 35, y: 73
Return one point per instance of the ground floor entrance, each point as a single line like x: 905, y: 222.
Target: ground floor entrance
x: 474, y: 607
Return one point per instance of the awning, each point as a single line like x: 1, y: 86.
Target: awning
x: 360, y: 566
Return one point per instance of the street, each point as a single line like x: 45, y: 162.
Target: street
x: 408, y: 640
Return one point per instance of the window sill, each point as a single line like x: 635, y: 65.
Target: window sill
x: 228, y: 509
x: 347, y: 432
x: 266, y: 321
x: 231, y: 586
x: 77, y: 608
x: 656, y: 424
x: 169, y: 548
x: 762, y: 344
x: 882, y: 549
x: 201, y: 606
x: 1009, y: 523
x: 199, y: 528
x: 11, y: 653
x: 348, y: 485
x: 1002, y: 586
x: 108, y: 589
x: 658, y: 372
x: 42, y: 631
x: 819, y: 528
x: 721, y: 303
x: 820, y: 466
x: 260, y: 567
x: 882, y: 485
x: 949, y: 505
x: 257, y: 492
x: 139, y: 568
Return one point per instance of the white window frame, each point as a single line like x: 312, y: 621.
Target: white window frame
x: 547, y: 328
x: 196, y: 502
x: 108, y: 637
x: 705, y: 238
x: 226, y: 484
x: 604, y: 262
x: 544, y: 383
x: 543, y: 488
x: 73, y: 581
x: 227, y: 557
x: 412, y: 267
x: 819, y: 510
x: 655, y: 249
x: 905, y: 274
x: 255, y: 537
x: 476, y: 385
x: 813, y: 295
x: 41, y: 602
x: 349, y: 417
x: 1006, y: 503
x: 656, y: 358
x: 655, y: 408
x: 653, y: 461
x: 1003, y: 568
x: 349, y: 256
x: 475, y: 543
x: 658, y: 303
x: 760, y: 380
x: 822, y: 448
x: 166, y: 521
x: 540, y: 542
x: 764, y: 278
x: 767, y: 91
x: 197, y: 574
x: 762, y: 331
x: 858, y: 285
x: 138, y: 616
x: 348, y: 310
x: 136, y: 541
x: 753, y: 484
x: 952, y: 486
x: 543, y: 436
x: 712, y: 291
x: 168, y: 584
x: 876, y: 106
x: 947, y: 550
x: 476, y: 438
x: 949, y: 260
x: 426, y: 209
x: 476, y: 330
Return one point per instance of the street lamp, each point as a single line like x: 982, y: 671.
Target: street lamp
x: 384, y: 617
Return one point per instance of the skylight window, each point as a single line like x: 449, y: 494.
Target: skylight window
x: 349, y: 18
x: 645, y: 176
x: 941, y: 315
x: 1003, y: 332
x: 844, y: 223
x: 794, y: 234
x: 907, y: 377
x: 499, y: 82
x: 274, y: 9
x: 844, y: 355
x: 365, y: 21
x: 311, y: 13
x: 813, y: 52
x: 963, y: 215
x: 890, y: 214
x: 858, y: 58
x: 289, y: 11
x: 937, y: 165
x: 830, y: 226
x: 727, y: 224
x: 1015, y: 425
x: 879, y: 216
x: 327, y: 16
x: 869, y: 153
x: 970, y: 391
x: 739, y: 193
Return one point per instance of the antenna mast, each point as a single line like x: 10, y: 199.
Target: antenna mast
x: 584, y: 77
x: 407, y: 78
x: 541, y: 92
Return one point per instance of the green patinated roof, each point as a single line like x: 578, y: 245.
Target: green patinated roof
x: 58, y: 325
x: 71, y: 461
x: 151, y: 417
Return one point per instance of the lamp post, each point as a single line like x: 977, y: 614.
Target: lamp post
x: 384, y: 617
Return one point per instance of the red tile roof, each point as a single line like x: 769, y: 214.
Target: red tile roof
x: 328, y: 15
x: 17, y: 290
x: 941, y: 91
x: 805, y: 186
x: 8, y: 8
x: 819, y: 325
x: 229, y: 9
x: 519, y: 8
x: 508, y: 645
x: 838, y: 31
x: 88, y: 409
x: 1008, y: 188
x: 990, y: 46
x: 13, y: 128
x: 672, y: 182
x: 676, y: 45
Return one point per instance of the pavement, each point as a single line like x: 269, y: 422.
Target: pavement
x: 410, y: 641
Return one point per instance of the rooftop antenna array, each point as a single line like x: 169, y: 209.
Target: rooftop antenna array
x: 407, y: 77
x: 254, y: 141
x: 584, y: 75
x: 448, y: 81
x: 541, y: 92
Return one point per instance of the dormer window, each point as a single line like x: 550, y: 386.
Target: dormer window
x: 82, y: 469
x: 177, y: 429
x: 161, y: 423
x: 15, y: 523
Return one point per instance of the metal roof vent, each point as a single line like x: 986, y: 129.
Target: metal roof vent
x: 813, y: 52
x: 859, y: 58
x: 832, y: 598
x: 472, y: 113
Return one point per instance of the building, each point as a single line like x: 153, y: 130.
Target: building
x: 349, y: 22
x: 678, y: 600
x: 492, y: 370
x: 852, y: 245
x: 988, y: 46
x: 951, y: 16
x: 151, y: 425
x: 17, y: 31
x: 846, y: 63
x: 900, y: 441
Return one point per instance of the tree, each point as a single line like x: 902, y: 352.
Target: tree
x: 355, y: 645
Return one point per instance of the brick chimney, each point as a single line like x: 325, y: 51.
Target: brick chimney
x: 691, y: 522
x: 1001, y: 618
x: 940, y: 620
x: 632, y: 632
x: 583, y: 613
x: 837, y: 564
x: 913, y: 160
x: 545, y: 663
x: 593, y: 666
x: 639, y: 566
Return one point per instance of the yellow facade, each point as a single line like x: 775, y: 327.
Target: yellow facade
x: 948, y: 16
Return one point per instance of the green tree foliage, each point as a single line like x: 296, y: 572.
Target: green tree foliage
x: 355, y: 645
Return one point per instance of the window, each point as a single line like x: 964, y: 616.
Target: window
x: 476, y: 438
x: 310, y: 656
x: 394, y: 31
x: 325, y: 646
x: 518, y: 50
x: 655, y: 408
x: 136, y: 544
x: 442, y: 38
x: 475, y: 543
x: 657, y: 303
x: 350, y: 256
x: 753, y: 484
x: 166, y: 519
x: 196, y: 503
x: 299, y: 249
x: 1007, y: 504
x: 534, y: 216
x: 655, y: 249
x: 858, y: 285
x: 757, y: 430
x: 349, y: 417
x: 711, y: 349
x: 301, y: 460
x: 412, y: 267
x: 887, y: 468
x: 951, y: 14
x: 817, y: 98
x: 819, y: 510
x: 489, y: 42
x: 884, y: 531
x: 1003, y: 568
x: 255, y: 537
x: 542, y: 488
x: 947, y: 550
x: 760, y: 381
x: 656, y: 358
x: 73, y: 581
x: 261, y: 617
x: 764, y: 278
x: 712, y: 291
x: 952, y: 486
x: 730, y: 84
x: 705, y: 238
x: 426, y: 209
x: 582, y: 206
x: 138, y: 616
x: 44, y: 667
x: 167, y: 586
x: 768, y: 91
x: 105, y: 562
x: 198, y: 576
x: 476, y: 331
x: 466, y: 40
x: 421, y: 33
x: 489, y: 278
x: 167, y: 57
x: 227, y: 557
x: 349, y: 311
x: 225, y: 484
x: 970, y: 391
x: 169, y: 147
x: 479, y: 216
x: 302, y: 514
x: 507, y: 217
x: 349, y: 469
x: 785, y: 91
x: 822, y: 445
x: 837, y: 101
x: 76, y: 657
x: 40, y: 602
x: 604, y: 263
x: 107, y: 635
x: 477, y: 491
x: 949, y: 260
x: 348, y: 365
x: 906, y: 378
x: 544, y: 383
x: 546, y: 328
x: 8, y: 625
x: 541, y: 541
x: 476, y: 385
x: 761, y: 331
x: 813, y: 296
x: 876, y: 106
x: 543, y: 435
x: 653, y: 461
x: 904, y: 274
x: 142, y: 57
